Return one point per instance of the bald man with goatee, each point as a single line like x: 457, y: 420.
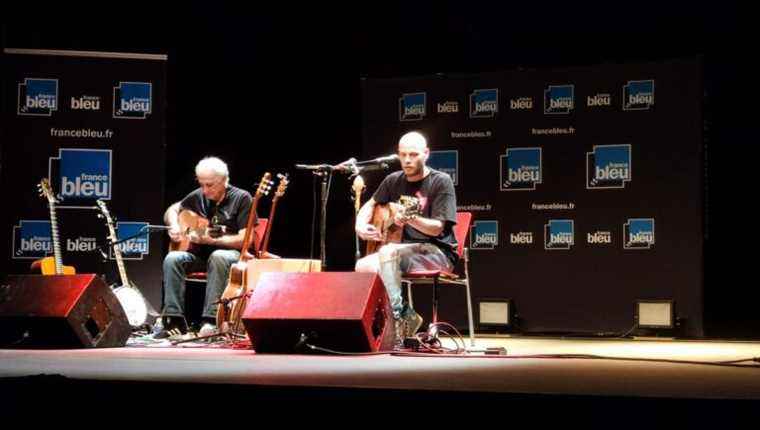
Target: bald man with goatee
x: 428, y: 241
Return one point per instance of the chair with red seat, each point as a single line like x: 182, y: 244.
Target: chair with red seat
x: 443, y: 277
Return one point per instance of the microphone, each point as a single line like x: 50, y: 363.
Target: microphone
x: 152, y: 227
x: 379, y: 160
x: 346, y: 166
x: 314, y: 166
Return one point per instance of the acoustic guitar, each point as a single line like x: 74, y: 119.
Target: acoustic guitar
x: 236, y: 306
x: 52, y: 265
x: 383, y: 219
x: 192, y: 222
x: 226, y: 321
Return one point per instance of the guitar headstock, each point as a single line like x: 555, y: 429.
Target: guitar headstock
x: 283, y: 185
x: 358, y: 185
x: 46, y: 190
x: 265, y: 185
x: 104, y: 209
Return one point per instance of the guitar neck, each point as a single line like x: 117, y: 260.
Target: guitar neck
x: 56, y: 240
x: 249, y: 226
x: 117, y: 255
x: 265, y: 242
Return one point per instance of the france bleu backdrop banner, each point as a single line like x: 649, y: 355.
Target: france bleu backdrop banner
x: 585, y: 185
x: 93, y: 124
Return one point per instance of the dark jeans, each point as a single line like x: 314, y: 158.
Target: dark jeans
x: 176, y: 266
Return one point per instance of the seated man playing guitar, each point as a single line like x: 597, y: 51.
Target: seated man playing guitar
x: 427, y: 240
x: 223, y: 210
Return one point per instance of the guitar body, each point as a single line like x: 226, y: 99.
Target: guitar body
x: 46, y: 266
x: 52, y: 265
x: 382, y: 219
x: 228, y: 313
x: 188, y: 221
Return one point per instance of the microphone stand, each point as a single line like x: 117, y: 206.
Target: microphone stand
x: 325, y: 190
x: 325, y: 172
x: 145, y: 229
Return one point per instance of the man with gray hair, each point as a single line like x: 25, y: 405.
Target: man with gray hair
x: 427, y: 242
x: 226, y: 207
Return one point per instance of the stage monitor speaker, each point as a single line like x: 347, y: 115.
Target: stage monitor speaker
x: 60, y: 311
x: 340, y: 311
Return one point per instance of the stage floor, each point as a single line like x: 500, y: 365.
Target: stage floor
x: 546, y: 366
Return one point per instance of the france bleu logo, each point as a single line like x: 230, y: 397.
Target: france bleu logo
x: 32, y: 239
x: 520, y: 169
x: 412, y: 106
x: 82, y: 176
x: 559, y: 99
x: 446, y: 162
x: 136, y: 247
x: 608, y: 166
x: 484, y: 235
x: 132, y: 100
x: 638, y: 95
x: 484, y: 103
x: 638, y: 233
x: 37, y: 97
x: 559, y: 234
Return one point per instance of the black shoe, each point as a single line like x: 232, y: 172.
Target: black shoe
x: 172, y: 326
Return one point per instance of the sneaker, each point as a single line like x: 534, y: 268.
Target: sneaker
x: 413, y: 323
x: 208, y: 329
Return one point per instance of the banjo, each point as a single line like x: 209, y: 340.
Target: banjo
x: 129, y: 296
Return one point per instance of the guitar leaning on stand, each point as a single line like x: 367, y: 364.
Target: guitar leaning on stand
x: 52, y: 265
x: 245, y: 270
x: 227, y: 318
x: 129, y: 296
x: 263, y: 251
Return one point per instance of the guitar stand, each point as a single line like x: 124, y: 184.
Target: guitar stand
x: 228, y: 334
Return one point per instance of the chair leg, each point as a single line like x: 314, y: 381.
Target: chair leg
x: 469, y: 313
x: 434, y: 319
x: 409, y: 299
x: 469, y: 296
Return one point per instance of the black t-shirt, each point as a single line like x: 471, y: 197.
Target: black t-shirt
x: 437, y: 201
x: 232, y: 212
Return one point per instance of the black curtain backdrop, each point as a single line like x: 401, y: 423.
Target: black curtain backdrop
x: 267, y: 88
